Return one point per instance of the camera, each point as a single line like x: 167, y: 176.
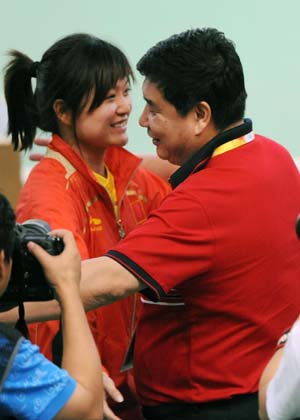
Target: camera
x: 27, y: 281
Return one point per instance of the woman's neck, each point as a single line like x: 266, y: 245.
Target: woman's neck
x: 92, y: 156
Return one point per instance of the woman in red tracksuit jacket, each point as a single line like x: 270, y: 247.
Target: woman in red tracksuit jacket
x: 87, y: 182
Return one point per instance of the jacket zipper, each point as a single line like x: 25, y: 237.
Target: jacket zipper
x: 121, y: 229
x: 122, y: 234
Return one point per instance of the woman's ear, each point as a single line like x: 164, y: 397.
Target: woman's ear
x: 203, y: 116
x: 62, y: 113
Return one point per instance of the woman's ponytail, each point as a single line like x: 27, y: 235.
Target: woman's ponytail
x: 21, y: 106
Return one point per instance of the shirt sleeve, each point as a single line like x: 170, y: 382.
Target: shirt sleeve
x: 174, y: 245
x: 35, y: 388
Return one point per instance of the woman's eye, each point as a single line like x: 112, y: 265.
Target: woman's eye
x: 112, y: 96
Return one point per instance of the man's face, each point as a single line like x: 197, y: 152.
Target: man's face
x: 173, y: 135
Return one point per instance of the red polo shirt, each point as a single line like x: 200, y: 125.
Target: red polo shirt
x: 221, y: 261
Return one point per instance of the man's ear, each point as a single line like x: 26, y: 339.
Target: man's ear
x: 203, y: 116
x: 61, y: 112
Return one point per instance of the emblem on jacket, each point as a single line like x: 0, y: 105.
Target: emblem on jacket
x: 95, y: 224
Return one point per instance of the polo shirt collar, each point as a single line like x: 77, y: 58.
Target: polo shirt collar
x: 199, y: 160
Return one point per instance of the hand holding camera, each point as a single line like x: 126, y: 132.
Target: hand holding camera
x: 62, y: 270
x: 43, y: 261
x: 27, y: 281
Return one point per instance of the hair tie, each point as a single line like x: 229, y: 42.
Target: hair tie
x: 34, y: 68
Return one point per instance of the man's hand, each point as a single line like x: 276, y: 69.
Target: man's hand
x: 39, y: 142
x: 111, y: 391
x: 63, y: 270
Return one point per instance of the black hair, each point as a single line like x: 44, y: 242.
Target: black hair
x: 74, y: 68
x: 198, y: 65
x: 7, y: 225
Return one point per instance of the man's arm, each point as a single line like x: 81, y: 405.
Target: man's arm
x: 63, y: 272
x: 34, y: 312
x: 103, y: 281
x: 160, y: 167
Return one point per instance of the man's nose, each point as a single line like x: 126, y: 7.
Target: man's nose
x: 143, y: 120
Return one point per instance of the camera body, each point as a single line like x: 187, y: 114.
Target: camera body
x: 27, y: 281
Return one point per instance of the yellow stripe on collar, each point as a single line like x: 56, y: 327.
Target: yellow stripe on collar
x: 233, y: 144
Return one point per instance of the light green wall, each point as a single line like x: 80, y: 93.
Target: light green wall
x: 266, y: 34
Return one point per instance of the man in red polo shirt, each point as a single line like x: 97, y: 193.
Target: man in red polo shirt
x: 220, y: 250
x: 218, y: 262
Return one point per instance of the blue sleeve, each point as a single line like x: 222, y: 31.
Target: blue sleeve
x: 35, y: 389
